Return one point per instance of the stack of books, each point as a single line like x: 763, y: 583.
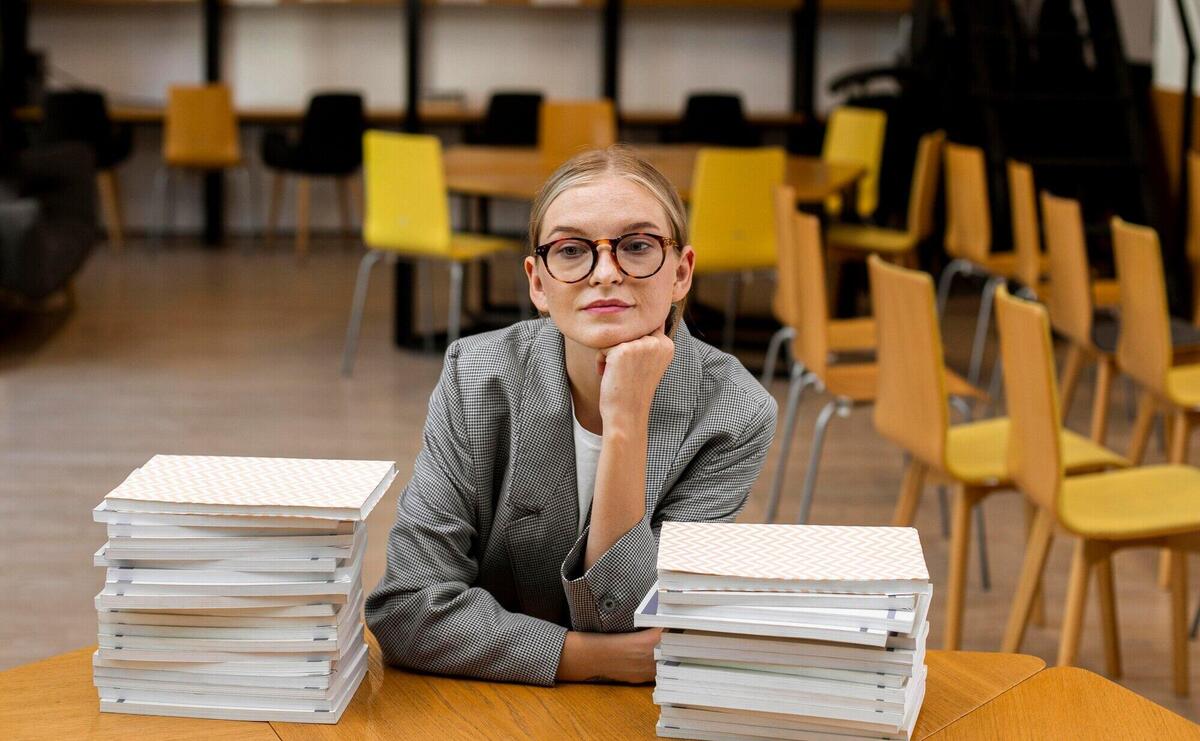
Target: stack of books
x: 788, y: 631
x: 234, y: 587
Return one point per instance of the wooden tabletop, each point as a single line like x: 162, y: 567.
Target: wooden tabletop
x: 1085, y: 705
x: 518, y: 172
x: 55, y: 699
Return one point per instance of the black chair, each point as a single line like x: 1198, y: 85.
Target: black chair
x: 511, y: 121
x: 716, y: 118
x: 82, y: 116
x: 330, y: 145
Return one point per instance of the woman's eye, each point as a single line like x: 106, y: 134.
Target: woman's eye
x: 571, y: 250
x: 637, y: 246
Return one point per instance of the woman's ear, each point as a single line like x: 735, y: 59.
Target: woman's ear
x: 683, y: 274
x: 537, y: 293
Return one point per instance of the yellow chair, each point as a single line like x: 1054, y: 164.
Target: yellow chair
x: 849, y: 383
x: 407, y: 215
x: 855, y: 135
x: 200, y: 134
x: 568, y: 127
x: 732, y: 223
x: 898, y: 245
x: 911, y: 410
x: 1193, y: 230
x: 1152, y: 506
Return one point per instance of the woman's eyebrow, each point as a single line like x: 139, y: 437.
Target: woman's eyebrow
x: 632, y: 228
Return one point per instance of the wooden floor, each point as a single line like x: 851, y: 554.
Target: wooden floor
x: 236, y: 352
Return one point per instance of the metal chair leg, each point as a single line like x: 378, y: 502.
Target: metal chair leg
x: 782, y: 335
x: 842, y: 408
x: 456, y: 285
x: 796, y: 387
x: 944, y: 509
x: 985, y: 572
x: 982, y: 323
x: 953, y: 268
x: 356, y: 310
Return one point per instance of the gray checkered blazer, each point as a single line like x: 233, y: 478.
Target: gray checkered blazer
x: 484, y: 570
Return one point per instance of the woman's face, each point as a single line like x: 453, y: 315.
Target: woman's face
x: 632, y: 307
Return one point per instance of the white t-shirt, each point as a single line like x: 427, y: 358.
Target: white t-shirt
x: 587, y: 456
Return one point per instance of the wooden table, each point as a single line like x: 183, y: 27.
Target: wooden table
x: 1084, y: 705
x: 55, y: 699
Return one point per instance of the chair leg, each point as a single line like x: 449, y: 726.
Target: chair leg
x: 910, y: 493
x: 1179, y: 638
x: 795, y: 390
x: 356, y: 310
x: 965, y: 499
x: 1072, y: 368
x: 1037, y: 612
x: 453, y: 324
x: 343, y: 193
x: 982, y: 323
x: 110, y: 204
x: 303, y: 197
x: 732, y: 295
x: 1108, y: 617
x: 781, y: 336
x: 953, y: 268
x: 1077, y: 587
x: 1141, y: 428
x: 1105, y: 368
x: 1041, y: 536
x: 838, y: 406
x: 985, y: 571
x: 273, y: 208
x: 944, y: 509
x: 1181, y: 433
x: 1195, y: 629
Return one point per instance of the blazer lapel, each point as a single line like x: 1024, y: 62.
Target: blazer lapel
x: 671, y: 413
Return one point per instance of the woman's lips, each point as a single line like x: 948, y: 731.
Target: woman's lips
x: 605, y: 309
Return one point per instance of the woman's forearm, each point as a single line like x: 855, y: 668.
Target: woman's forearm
x: 619, y: 499
x: 608, y: 657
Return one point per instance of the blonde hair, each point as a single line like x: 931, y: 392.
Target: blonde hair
x: 621, y: 161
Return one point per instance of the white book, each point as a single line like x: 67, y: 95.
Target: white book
x: 217, y: 656
x: 186, y: 638
x: 285, y: 617
x: 115, y: 676
x: 106, y: 512
x: 746, y: 679
x: 832, y: 672
x: 125, y: 552
x: 113, y: 596
x: 675, y: 639
x: 268, y: 665
x: 321, y: 588
x: 233, y: 544
x: 328, y: 489
x: 789, y: 599
x: 897, y: 621
x: 647, y: 616
x: 827, y: 703
x: 190, y: 533
x: 249, y: 562
x: 850, y: 669
x: 220, y: 576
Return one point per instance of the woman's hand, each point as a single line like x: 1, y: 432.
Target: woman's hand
x: 609, y: 657
x: 630, y: 373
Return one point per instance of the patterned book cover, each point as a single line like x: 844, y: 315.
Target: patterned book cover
x: 256, y: 482
x: 792, y: 552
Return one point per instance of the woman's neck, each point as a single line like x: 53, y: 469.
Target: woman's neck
x: 585, y: 384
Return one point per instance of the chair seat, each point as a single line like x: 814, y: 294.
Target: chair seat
x: 848, y: 335
x: 1144, y: 502
x: 859, y: 382
x: 207, y: 162
x: 1004, y: 264
x: 977, y: 453
x: 867, y: 238
x: 464, y: 247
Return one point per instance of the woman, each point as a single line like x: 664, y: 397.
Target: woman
x: 554, y: 449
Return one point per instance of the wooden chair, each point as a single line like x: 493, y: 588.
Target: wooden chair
x: 898, y: 245
x: 407, y: 215
x: 856, y: 135
x: 911, y: 410
x: 731, y: 220
x: 1193, y: 230
x: 848, y: 383
x: 568, y: 127
x: 1152, y: 506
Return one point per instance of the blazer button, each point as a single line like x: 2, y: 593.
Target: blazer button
x: 609, y: 603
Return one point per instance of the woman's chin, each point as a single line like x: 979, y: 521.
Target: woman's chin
x: 599, y: 336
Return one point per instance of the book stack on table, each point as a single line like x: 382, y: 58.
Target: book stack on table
x: 234, y: 587
x: 788, y: 631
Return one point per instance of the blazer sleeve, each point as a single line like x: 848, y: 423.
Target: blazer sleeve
x: 713, y: 488
x: 424, y: 612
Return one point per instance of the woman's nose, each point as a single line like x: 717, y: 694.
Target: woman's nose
x: 606, y: 270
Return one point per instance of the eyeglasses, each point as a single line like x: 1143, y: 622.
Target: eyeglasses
x: 637, y: 255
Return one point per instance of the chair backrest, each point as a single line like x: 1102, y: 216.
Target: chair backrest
x: 1035, y: 435
x: 200, y: 129
x: 715, y: 118
x: 856, y: 135
x: 786, y: 303
x: 1193, y: 225
x: 512, y: 119
x: 566, y: 128
x: 805, y: 260
x: 331, y: 134
x: 968, y: 216
x: 1070, y: 300
x: 923, y: 192
x: 76, y: 115
x: 732, y: 220
x: 910, y: 406
x: 1144, y: 345
x: 1022, y: 206
x: 406, y: 202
